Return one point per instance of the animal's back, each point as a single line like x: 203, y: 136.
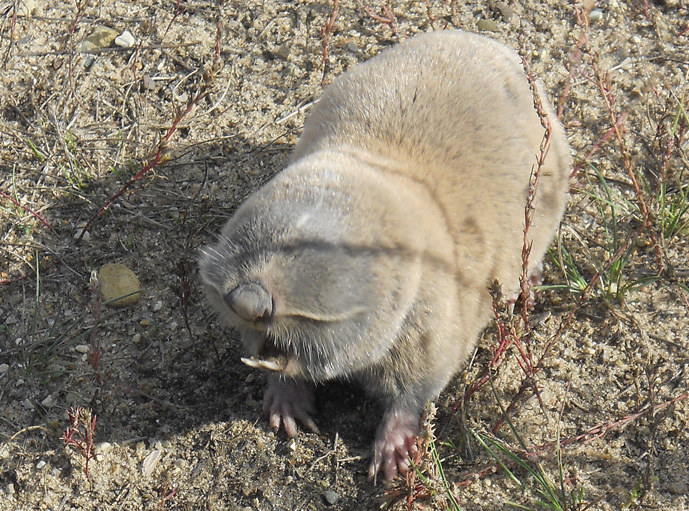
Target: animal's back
x: 454, y: 112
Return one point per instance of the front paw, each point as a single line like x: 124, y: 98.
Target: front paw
x: 395, y: 444
x: 287, y: 401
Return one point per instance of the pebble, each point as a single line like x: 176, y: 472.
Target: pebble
x: 488, y: 26
x: 158, y: 305
x: 125, y: 39
x: 331, y: 497
x: 48, y: 402
x: 81, y: 226
x: 596, y: 15
x: 117, y: 280
x: 282, y: 52
x: 27, y: 7
x: 3, y: 368
x: 150, y: 462
x: 504, y: 9
x: 101, y: 37
x: 103, y: 447
x: 82, y: 348
x: 40, y: 464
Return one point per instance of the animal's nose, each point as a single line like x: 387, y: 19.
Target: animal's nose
x: 250, y: 302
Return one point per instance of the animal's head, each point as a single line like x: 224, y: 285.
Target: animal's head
x: 283, y: 274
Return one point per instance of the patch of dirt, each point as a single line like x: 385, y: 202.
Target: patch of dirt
x: 178, y: 416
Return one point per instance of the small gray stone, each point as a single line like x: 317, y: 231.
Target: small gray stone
x: 596, y: 15
x: 331, y: 497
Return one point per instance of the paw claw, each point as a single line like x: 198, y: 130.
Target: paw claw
x: 287, y: 401
x: 395, y: 444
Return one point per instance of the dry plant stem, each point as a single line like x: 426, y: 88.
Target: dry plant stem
x: 72, y: 30
x: 505, y: 339
x: 218, y: 33
x: 508, y: 335
x: 96, y: 51
x: 172, y: 20
x: 95, y: 339
x: 429, y: 12
x: 388, y: 19
x: 155, y: 157
x: 608, y: 134
x: 414, y: 487
x: 600, y: 430
x: 564, y: 325
x: 26, y: 208
x: 166, y: 495
x: 582, y: 20
x: 327, y: 31
x: 617, y: 122
x: 587, y: 436
x: 10, y: 38
x: 607, y: 98
x: 80, y: 434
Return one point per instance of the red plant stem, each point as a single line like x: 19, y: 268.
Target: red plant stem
x: 151, y: 162
x: 390, y: 20
x: 174, y: 17
x: 95, y: 339
x: 596, y: 147
x: 4, y: 282
x: 587, y: 436
x: 80, y: 434
x: 327, y: 31
x: 429, y: 12
x: 607, y: 97
x: 600, y: 430
x: 25, y: 208
x: 505, y: 339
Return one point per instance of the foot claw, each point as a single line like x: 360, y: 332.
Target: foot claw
x: 395, y: 444
x: 287, y: 401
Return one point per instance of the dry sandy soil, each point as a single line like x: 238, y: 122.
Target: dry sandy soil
x: 226, y: 86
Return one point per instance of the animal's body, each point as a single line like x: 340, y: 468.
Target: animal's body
x: 370, y: 255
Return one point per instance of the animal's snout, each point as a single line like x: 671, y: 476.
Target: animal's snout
x: 250, y: 302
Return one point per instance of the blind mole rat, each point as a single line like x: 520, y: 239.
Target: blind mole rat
x: 370, y: 255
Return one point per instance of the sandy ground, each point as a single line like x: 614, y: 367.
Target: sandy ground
x: 178, y: 416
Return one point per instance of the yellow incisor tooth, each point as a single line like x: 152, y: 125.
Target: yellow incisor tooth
x: 271, y: 364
